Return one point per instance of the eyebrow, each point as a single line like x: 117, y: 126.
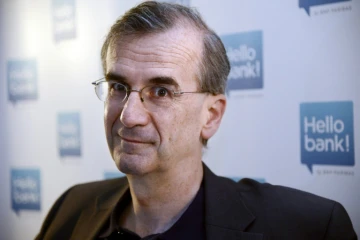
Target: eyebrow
x: 155, y: 80
x: 164, y: 80
x: 115, y: 76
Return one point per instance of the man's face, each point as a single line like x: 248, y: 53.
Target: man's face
x: 143, y: 140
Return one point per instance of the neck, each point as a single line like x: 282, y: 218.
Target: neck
x: 159, y: 199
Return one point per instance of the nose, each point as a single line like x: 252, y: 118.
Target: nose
x: 134, y: 113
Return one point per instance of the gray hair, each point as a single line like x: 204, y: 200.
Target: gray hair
x: 152, y: 17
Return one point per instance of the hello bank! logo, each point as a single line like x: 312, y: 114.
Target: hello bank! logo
x: 69, y: 134
x: 327, y: 133
x: 245, y: 54
x: 64, y: 24
x: 22, y: 80
x: 25, y: 189
x: 306, y: 4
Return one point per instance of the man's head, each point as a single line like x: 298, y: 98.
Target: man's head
x: 167, y: 45
x: 155, y: 17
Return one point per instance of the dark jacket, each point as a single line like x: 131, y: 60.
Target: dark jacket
x: 244, y: 210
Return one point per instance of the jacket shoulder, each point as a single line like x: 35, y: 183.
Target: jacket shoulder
x: 278, y: 208
x: 282, y: 195
x: 82, y: 195
x: 65, y: 212
x: 93, y: 189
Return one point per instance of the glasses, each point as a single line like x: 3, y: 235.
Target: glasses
x: 153, y: 96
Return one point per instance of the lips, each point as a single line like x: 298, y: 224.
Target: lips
x: 134, y: 135
x: 132, y: 140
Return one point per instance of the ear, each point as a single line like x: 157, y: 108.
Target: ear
x: 216, y: 106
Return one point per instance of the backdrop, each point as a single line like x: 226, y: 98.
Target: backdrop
x: 293, y: 99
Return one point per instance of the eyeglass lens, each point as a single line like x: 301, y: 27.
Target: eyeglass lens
x: 152, y: 96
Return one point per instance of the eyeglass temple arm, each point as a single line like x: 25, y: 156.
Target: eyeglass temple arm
x: 186, y: 92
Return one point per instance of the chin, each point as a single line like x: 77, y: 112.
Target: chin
x: 133, y: 164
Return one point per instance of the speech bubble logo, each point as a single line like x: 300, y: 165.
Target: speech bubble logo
x: 25, y: 189
x: 22, y: 80
x: 64, y: 23
x: 306, y: 4
x: 327, y: 134
x: 69, y: 139
x: 245, y: 54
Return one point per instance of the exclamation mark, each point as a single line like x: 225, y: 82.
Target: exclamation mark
x: 347, y: 143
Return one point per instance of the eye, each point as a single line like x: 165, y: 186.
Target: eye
x: 118, y: 87
x: 159, y: 92
x: 117, y: 91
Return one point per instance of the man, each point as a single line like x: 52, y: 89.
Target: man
x: 165, y: 77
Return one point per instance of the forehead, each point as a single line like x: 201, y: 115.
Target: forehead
x: 176, y: 51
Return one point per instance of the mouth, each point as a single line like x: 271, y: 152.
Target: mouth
x: 133, y: 140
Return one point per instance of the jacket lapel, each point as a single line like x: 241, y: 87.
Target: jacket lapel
x: 93, y: 217
x: 226, y: 215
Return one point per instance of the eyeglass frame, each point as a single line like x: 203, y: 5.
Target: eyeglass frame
x: 130, y: 90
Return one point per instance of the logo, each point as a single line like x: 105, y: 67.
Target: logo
x: 327, y: 133
x: 237, y: 179
x: 64, y: 19
x: 306, y: 4
x: 22, y: 80
x: 69, y: 134
x: 25, y: 189
x: 113, y: 174
x: 244, y: 51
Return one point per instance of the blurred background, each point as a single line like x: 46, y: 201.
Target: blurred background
x: 293, y: 99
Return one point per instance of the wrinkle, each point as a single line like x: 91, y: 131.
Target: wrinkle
x: 160, y: 67
x: 173, y: 55
x: 175, y: 50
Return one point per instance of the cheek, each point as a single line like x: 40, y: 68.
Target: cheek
x: 111, y: 114
x: 185, y: 125
x: 194, y: 118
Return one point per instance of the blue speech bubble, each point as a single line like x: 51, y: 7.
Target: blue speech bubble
x: 69, y: 138
x: 64, y: 23
x: 327, y: 134
x: 25, y: 189
x: 22, y: 80
x: 113, y: 174
x: 306, y: 4
x: 245, y: 54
